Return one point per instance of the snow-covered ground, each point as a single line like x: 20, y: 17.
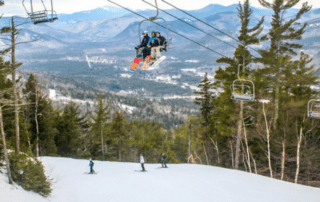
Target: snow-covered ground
x: 65, y: 100
x: 118, y: 182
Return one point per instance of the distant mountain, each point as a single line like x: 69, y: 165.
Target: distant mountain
x: 91, y: 15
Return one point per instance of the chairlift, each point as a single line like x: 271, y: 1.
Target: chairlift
x: 314, y: 109
x: 152, y: 19
x: 43, y: 15
x: 242, y: 89
x: 1, y: 2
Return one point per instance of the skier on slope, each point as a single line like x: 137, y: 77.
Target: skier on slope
x: 142, y: 162
x: 91, y: 164
x: 164, y: 165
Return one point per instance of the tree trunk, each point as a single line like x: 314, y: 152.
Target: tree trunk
x: 205, y: 152
x: 244, y: 162
x: 232, y: 158
x: 268, y: 141
x: 101, y: 134
x: 217, y: 149
x: 254, y: 163
x: 283, y: 157
x: 119, y: 148
x: 298, y: 153
x: 190, y: 138
x: 246, y: 141
x: 276, y: 105
x: 5, y: 149
x: 14, y: 85
x: 239, y: 136
x: 37, y: 125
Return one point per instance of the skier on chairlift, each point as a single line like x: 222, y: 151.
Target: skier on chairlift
x: 140, y: 50
x: 153, y: 42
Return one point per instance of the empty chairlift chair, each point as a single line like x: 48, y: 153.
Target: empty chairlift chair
x: 242, y: 89
x: 42, y: 15
x: 314, y: 109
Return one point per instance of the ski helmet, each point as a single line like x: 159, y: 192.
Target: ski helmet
x: 145, y: 32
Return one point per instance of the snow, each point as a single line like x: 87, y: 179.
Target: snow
x: 126, y: 75
x: 65, y: 100
x: 189, y: 70
x: 127, y: 108
x: 118, y: 182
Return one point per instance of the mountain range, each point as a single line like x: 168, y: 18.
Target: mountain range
x: 108, y: 35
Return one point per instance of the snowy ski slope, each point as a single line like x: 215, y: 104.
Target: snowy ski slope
x: 118, y: 182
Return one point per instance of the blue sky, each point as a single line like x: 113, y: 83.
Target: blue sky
x: 70, y: 6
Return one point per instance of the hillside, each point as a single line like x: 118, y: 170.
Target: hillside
x: 118, y: 182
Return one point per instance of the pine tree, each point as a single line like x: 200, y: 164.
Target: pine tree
x: 205, y: 100
x: 71, y: 128
x: 99, y: 124
x: 40, y: 116
x: 282, y: 35
x: 119, y: 132
x: 242, y: 57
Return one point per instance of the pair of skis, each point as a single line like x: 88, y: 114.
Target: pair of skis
x: 149, y: 65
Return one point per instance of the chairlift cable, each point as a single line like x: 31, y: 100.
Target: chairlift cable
x: 207, y: 24
x: 190, y: 25
x: 168, y: 29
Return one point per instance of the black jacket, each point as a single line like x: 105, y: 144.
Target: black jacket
x: 155, y: 42
x: 145, y: 41
x: 162, y: 40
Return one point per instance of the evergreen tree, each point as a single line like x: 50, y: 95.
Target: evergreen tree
x: 224, y: 78
x: 205, y: 100
x: 99, y: 125
x: 71, y: 129
x: 39, y: 115
x: 282, y: 35
x: 119, y: 132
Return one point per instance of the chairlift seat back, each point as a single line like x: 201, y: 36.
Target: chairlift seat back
x: 245, y: 97
x: 38, y: 15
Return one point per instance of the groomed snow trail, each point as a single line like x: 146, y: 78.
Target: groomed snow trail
x: 118, y: 182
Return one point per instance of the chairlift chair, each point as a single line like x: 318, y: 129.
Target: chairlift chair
x: 42, y: 16
x: 242, y: 89
x: 152, y: 19
x: 314, y: 109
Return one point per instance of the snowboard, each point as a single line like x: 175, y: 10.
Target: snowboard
x: 146, y: 65
x: 141, y: 171
x: 155, y: 64
x: 135, y: 64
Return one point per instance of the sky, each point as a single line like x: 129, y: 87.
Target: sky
x: 70, y: 6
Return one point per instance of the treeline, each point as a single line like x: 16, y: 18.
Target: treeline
x: 271, y: 135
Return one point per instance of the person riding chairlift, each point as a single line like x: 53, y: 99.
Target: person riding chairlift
x: 143, y: 44
x: 158, y: 48
x: 153, y: 42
